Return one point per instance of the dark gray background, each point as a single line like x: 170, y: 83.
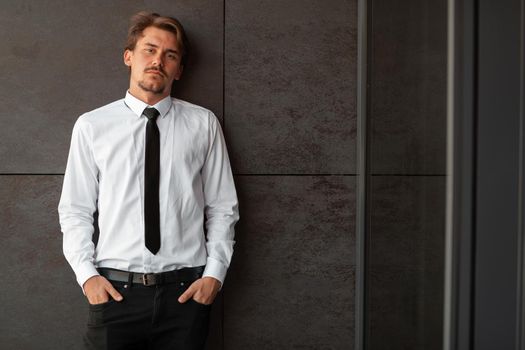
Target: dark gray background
x: 257, y: 65
x: 407, y: 60
x: 282, y: 78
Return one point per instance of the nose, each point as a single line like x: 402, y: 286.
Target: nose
x: 158, y: 60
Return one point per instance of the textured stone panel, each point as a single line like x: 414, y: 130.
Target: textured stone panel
x: 291, y: 284
x: 406, y: 256
x: 42, y: 305
x: 290, y: 86
x: 64, y: 58
x: 407, y: 86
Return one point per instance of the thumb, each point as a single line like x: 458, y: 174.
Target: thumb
x: 187, y: 294
x: 114, y: 293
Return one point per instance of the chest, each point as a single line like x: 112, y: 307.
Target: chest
x: 120, y: 147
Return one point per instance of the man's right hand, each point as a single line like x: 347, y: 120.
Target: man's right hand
x: 98, y: 290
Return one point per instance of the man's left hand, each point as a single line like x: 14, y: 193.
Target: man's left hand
x: 203, y: 291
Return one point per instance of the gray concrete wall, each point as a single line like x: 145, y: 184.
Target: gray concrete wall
x: 282, y: 79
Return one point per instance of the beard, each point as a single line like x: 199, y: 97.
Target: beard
x: 152, y: 86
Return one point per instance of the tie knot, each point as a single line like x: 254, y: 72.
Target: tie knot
x: 151, y: 113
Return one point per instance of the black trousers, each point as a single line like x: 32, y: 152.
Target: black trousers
x: 148, y: 318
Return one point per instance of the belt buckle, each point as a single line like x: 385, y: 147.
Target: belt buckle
x: 148, y: 279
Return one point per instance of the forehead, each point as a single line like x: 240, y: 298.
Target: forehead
x: 159, y: 37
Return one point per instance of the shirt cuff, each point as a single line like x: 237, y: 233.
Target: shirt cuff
x: 215, y: 269
x: 85, y: 272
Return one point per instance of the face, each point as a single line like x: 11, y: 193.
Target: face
x: 155, y: 63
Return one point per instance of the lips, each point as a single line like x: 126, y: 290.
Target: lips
x: 154, y: 72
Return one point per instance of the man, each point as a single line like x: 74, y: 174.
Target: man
x: 156, y: 168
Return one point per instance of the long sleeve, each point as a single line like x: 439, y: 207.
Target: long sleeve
x: 221, y: 205
x: 78, y: 203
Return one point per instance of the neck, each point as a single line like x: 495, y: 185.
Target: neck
x: 148, y: 97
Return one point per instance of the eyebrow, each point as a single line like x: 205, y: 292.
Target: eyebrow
x: 156, y: 46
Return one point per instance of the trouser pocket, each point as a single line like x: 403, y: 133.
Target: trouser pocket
x: 96, y: 312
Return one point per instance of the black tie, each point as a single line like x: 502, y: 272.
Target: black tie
x: 151, y: 182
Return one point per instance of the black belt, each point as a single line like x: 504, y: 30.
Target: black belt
x: 186, y: 274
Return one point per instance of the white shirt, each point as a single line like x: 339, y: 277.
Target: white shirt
x: 105, y: 171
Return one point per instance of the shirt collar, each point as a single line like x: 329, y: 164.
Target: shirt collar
x: 138, y: 106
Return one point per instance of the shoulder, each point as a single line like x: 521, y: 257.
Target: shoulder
x: 102, y: 112
x: 191, y: 110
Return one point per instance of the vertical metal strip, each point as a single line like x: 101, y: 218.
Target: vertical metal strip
x: 460, y: 238
x: 448, y: 317
x: 362, y: 183
x: 520, y: 317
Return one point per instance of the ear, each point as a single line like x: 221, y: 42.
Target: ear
x: 127, y: 57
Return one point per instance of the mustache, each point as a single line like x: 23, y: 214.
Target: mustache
x: 156, y: 69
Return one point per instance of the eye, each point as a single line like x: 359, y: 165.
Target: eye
x: 148, y: 50
x: 172, y: 56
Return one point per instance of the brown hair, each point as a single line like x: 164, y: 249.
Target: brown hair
x: 144, y: 19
